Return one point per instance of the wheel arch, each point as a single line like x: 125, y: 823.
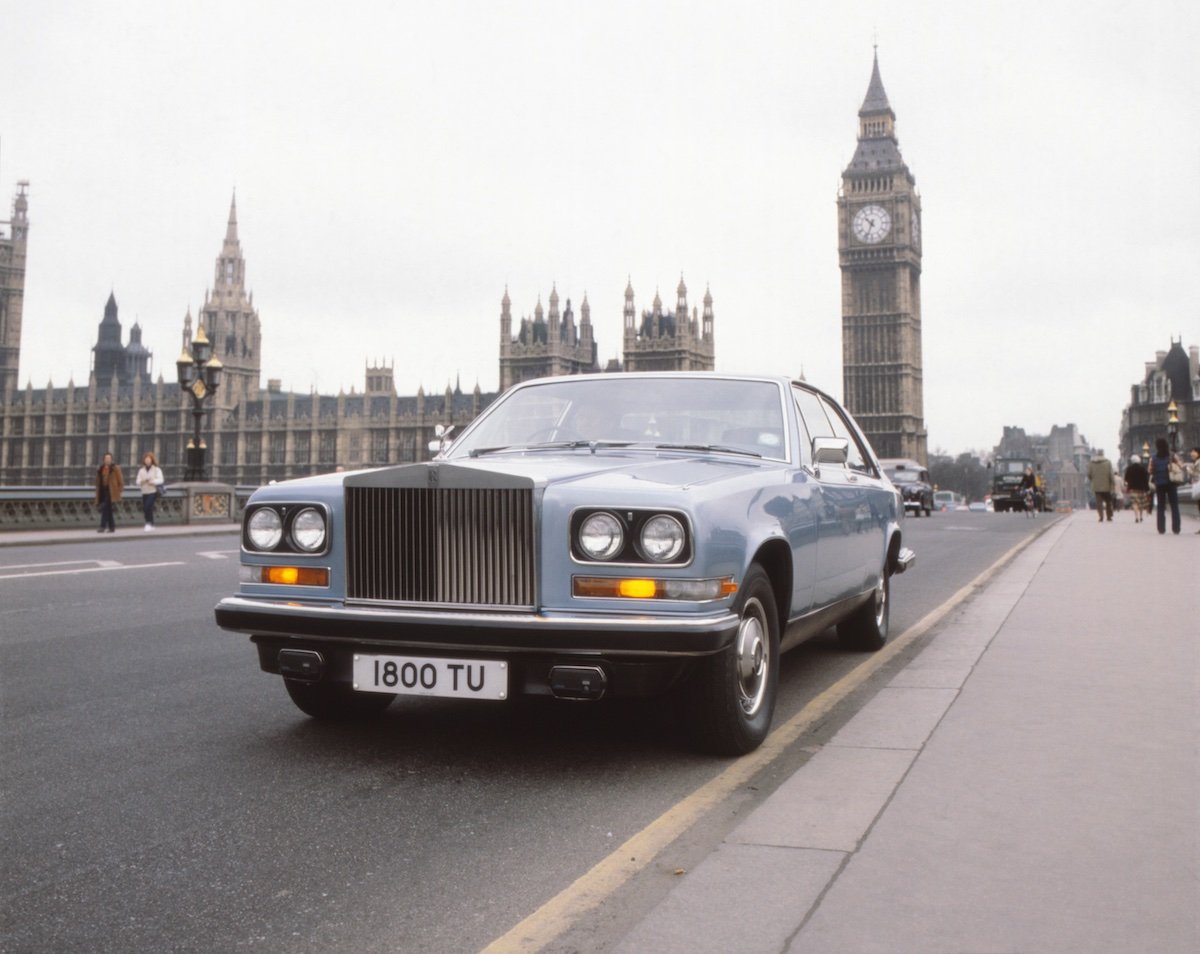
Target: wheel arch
x: 775, y: 557
x: 893, y: 551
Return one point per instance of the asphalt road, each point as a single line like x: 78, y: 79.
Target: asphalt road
x: 161, y: 793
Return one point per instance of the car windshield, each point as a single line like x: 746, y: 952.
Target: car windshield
x: 742, y: 416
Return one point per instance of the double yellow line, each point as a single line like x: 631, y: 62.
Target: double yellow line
x: 589, y: 890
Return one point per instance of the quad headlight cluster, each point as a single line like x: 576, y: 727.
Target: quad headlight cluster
x: 630, y: 536
x: 286, y: 528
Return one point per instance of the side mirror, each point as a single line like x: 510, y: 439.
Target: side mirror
x: 830, y: 450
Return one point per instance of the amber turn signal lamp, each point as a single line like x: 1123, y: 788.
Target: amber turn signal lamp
x: 296, y: 575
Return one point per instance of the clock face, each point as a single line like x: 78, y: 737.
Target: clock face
x: 872, y: 224
x: 199, y: 389
x: 916, y: 229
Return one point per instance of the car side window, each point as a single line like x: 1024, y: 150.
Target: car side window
x: 812, y: 420
x: 856, y: 458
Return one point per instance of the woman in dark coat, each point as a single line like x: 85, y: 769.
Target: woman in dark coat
x: 1164, y: 491
x: 110, y: 484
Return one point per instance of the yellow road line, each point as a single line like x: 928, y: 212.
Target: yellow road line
x: 590, y: 889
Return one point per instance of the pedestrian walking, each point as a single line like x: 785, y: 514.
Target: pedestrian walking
x: 1195, y: 455
x: 1101, y: 479
x: 149, y: 480
x: 1166, y: 474
x: 110, y: 484
x: 1137, y: 482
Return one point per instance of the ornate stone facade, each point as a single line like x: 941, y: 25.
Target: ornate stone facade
x: 546, y: 345
x: 56, y: 436
x: 1173, y: 375
x: 879, y: 252
x: 672, y: 341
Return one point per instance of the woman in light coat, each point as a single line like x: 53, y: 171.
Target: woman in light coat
x: 149, y: 479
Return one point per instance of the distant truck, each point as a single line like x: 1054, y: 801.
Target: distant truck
x: 1006, y: 484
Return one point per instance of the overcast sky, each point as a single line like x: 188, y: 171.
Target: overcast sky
x: 397, y: 165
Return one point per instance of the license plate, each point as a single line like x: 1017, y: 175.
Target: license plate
x: 425, y: 676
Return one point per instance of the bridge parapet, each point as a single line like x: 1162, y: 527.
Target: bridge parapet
x: 54, y: 508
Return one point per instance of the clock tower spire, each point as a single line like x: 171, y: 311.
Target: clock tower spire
x: 879, y: 252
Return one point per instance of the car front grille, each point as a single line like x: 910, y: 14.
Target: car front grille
x: 441, y: 546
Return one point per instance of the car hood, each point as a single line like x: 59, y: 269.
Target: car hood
x: 607, y: 468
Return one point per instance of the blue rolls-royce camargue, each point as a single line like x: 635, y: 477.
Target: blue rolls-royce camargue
x: 584, y: 537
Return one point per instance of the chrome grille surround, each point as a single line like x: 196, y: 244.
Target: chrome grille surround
x: 440, y: 546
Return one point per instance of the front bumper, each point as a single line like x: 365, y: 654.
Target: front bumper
x: 376, y: 629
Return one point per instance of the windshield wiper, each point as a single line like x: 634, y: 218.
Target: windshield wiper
x: 708, y: 447
x: 547, y: 445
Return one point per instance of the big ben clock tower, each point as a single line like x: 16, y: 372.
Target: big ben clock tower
x: 879, y: 252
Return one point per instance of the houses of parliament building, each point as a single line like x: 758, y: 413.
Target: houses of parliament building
x: 57, y: 435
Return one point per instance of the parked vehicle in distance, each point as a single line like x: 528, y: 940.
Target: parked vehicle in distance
x: 912, y: 480
x: 585, y: 537
x: 979, y: 506
x: 947, y: 500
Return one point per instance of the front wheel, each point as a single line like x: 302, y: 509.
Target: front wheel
x: 866, y: 629
x: 332, y: 702
x: 734, y: 693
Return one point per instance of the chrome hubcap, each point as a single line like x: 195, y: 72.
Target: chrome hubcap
x: 752, y: 659
x: 881, y: 602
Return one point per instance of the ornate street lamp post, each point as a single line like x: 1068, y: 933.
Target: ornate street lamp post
x: 1173, y: 424
x: 199, y: 376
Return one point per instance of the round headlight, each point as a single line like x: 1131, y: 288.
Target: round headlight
x: 264, y: 529
x: 308, y: 530
x: 601, y: 536
x: 662, y: 538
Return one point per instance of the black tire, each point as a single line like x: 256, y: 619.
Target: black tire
x: 866, y: 629
x: 333, y: 702
x: 733, y: 695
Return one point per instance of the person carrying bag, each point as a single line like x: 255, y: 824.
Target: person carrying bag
x: 1166, y: 474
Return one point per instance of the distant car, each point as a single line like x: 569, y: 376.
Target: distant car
x: 912, y: 480
x: 1063, y: 506
x: 586, y: 536
x: 978, y: 505
x: 1189, y: 493
x: 946, y: 500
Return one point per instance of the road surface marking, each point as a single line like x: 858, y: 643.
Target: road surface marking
x: 108, y: 565
x: 216, y: 554
x: 38, y: 566
x: 590, y: 889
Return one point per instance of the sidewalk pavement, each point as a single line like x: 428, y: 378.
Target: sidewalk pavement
x: 1028, y: 783
x: 25, y: 538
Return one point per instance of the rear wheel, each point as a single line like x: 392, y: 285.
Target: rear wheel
x: 333, y: 702
x: 734, y: 692
x: 866, y: 629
